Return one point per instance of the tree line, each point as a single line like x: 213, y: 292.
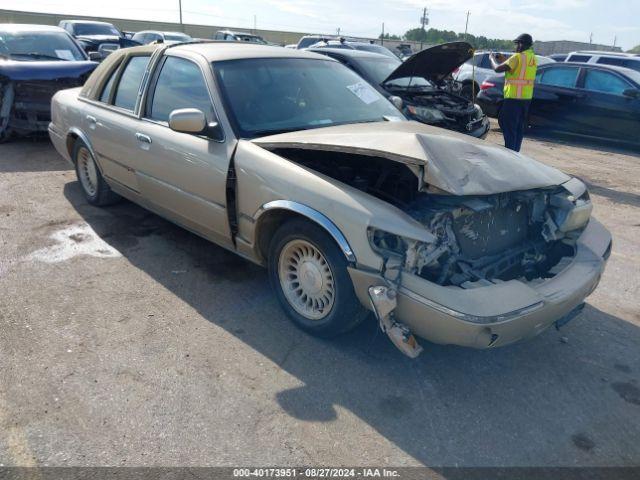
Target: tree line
x: 435, y: 36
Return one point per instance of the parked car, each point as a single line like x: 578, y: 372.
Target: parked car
x: 307, y: 40
x: 558, y: 57
x: 626, y: 60
x: 349, y: 45
x: 580, y: 98
x: 93, y: 36
x: 476, y: 70
x: 290, y: 159
x: 150, y: 36
x: 239, y: 37
x: 420, y: 84
x: 35, y: 62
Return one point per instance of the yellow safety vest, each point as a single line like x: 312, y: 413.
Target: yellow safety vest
x: 518, y: 83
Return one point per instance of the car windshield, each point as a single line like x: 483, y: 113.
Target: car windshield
x: 177, y: 37
x: 80, y: 29
x: 379, y: 69
x: 39, y: 46
x: 273, y: 95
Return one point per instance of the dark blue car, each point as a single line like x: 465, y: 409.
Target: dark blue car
x: 592, y: 100
x: 35, y: 62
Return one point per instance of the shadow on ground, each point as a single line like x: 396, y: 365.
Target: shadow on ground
x: 30, y: 154
x: 544, y: 402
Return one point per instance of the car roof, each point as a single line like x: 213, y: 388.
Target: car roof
x: 162, y: 32
x: 217, y: 51
x: 601, y: 53
x: 347, y: 52
x: 26, y: 27
x: 88, y: 21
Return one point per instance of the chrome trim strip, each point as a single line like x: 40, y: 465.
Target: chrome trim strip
x: 316, y: 217
x: 503, y: 317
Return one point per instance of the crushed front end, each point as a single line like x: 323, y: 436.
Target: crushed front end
x: 502, y: 267
x: 446, y: 110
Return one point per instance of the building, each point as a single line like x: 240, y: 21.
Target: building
x: 567, y: 46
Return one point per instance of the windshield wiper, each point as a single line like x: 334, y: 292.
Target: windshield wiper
x: 38, y: 55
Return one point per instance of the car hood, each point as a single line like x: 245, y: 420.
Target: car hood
x: 46, y: 70
x: 435, y: 63
x: 451, y: 162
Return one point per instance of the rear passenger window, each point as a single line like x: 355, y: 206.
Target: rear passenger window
x: 579, y: 58
x: 127, y: 91
x: 560, y: 77
x: 180, y: 85
x: 605, y: 82
x: 106, y: 91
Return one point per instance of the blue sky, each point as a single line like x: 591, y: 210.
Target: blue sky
x: 544, y: 19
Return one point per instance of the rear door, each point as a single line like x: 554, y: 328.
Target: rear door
x: 110, y: 120
x: 183, y: 174
x: 607, y: 111
x: 555, y: 97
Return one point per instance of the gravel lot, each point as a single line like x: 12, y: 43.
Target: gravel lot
x: 128, y: 341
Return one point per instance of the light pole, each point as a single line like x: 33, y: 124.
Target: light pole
x: 180, y: 12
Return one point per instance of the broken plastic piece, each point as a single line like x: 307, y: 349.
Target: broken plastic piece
x: 383, y: 301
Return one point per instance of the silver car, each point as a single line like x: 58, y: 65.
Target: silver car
x: 472, y: 74
x: 294, y: 162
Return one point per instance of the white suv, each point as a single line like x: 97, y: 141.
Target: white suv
x: 626, y: 60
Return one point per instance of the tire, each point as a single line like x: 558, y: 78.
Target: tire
x: 93, y: 185
x: 331, y: 308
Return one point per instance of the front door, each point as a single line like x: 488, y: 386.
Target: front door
x: 182, y: 174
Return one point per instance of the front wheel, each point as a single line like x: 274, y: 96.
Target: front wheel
x: 309, y: 274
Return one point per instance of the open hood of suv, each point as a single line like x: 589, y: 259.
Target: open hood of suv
x: 452, y: 162
x: 435, y: 63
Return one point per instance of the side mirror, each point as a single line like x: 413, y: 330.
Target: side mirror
x: 631, y: 93
x: 95, y: 56
x: 397, y: 102
x: 187, y: 120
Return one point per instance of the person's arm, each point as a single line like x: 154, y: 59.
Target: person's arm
x: 502, y: 64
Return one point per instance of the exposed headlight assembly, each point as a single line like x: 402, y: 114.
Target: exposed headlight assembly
x: 425, y: 114
x: 415, y: 254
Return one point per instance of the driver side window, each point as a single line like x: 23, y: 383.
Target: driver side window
x: 179, y: 85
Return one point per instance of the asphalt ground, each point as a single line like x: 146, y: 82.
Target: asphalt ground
x: 126, y: 340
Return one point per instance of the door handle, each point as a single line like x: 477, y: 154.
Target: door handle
x: 143, y: 138
x: 91, y: 119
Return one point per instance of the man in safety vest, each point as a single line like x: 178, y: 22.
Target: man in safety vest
x: 520, y: 73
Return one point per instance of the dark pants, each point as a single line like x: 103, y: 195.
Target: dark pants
x: 513, y: 120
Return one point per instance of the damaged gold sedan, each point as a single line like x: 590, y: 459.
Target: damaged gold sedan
x: 292, y: 161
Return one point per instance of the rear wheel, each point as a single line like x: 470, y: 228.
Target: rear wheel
x: 309, y: 274
x: 94, y: 187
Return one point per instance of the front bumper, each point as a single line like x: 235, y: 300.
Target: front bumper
x: 499, y: 314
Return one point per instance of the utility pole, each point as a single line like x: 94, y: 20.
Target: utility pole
x: 382, y: 36
x: 180, y: 11
x: 466, y: 25
x: 615, y: 40
x: 425, y: 18
x: 255, y: 22
x: 338, y: 31
x: 424, y: 21
x: 590, y: 38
